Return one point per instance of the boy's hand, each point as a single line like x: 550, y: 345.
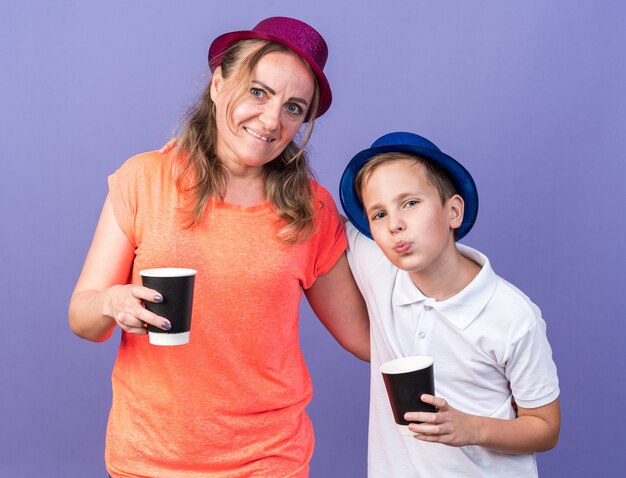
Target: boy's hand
x: 448, y: 426
x: 534, y: 429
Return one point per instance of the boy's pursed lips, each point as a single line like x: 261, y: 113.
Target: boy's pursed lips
x: 401, y: 247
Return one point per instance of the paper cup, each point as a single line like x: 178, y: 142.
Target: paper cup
x: 176, y: 287
x: 406, y: 379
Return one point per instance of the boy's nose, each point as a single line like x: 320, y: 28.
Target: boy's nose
x: 396, y: 225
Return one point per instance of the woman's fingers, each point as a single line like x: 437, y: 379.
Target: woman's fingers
x: 144, y: 293
x: 144, y: 315
x: 133, y: 316
x: 131, y: 324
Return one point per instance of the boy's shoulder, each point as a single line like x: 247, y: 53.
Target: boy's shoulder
x: 367, y: 261
x: 517, y: 302
x: 363, y: 249
x: 511, y: 306
x: 502, y: 302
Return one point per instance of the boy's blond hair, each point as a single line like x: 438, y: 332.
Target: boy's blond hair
x: 435, y: 174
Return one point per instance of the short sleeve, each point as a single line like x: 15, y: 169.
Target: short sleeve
x: 328, y: 240
x: 128, y: 185
x: 354, y: 238
x: 364, y: 256
x: 531, y: 370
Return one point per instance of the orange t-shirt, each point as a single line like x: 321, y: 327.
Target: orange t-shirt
x: 231, y: 403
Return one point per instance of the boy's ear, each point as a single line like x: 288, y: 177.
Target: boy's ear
x: 216, y: 82
x: 456, y: 206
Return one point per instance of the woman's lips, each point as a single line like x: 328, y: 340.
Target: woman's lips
x: 259, y: 136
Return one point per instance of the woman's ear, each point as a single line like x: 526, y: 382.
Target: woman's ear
x: 217, y: 81
x: 456, y: 206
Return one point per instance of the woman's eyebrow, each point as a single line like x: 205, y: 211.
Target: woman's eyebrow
x: 272, y: 92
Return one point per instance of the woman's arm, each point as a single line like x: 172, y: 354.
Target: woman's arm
x: 534, y: 429
x: 102, y: 298
x: 337, y: 302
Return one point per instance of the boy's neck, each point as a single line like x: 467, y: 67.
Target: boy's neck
x: 450, y: 277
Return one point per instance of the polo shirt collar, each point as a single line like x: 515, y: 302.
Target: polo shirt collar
x: 460, y: 309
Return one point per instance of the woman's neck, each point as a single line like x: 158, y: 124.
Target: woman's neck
x: 247, y: 190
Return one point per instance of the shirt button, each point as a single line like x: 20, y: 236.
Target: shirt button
x: 422, y: 335
x: 428, y: 307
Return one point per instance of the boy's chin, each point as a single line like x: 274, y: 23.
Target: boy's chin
x: 401, y: 263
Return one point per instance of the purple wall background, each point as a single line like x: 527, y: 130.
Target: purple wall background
x: 529, y: 95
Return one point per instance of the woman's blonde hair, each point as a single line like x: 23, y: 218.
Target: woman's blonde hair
x: 287, y: 178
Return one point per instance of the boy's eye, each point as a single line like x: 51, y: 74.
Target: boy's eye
x: 294, y: 108
x: 378, y: 215
x: 411, y: 203
x: 256, y: 92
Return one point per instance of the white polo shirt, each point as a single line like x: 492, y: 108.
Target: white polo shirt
x: 489, y: 345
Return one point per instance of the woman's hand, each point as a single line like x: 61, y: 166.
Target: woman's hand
x: 126, y: 308
x: 448, y: 426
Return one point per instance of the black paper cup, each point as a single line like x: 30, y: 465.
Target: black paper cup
x: 176, y: 287
x: 406, y: 379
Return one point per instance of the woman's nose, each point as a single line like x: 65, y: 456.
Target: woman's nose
x: 269, y: 117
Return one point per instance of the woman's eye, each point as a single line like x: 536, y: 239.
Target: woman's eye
x: 294, y: 108
x: 256, y: 92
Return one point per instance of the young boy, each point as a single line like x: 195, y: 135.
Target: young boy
x: 496, y: 385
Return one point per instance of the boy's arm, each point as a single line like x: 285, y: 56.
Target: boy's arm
x: 534, y: 430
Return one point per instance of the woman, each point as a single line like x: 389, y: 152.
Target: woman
x: 234, y: 200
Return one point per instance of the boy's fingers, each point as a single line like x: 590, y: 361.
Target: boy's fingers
x: 432, y: 400
x: 422, y: 417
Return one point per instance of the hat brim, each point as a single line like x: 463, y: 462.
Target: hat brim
x: 222, y: 42
x: 462, y: 179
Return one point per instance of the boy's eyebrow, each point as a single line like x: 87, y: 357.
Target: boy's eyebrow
x: 399, y: 197
x: 272, y: 92
x: 368, y: 209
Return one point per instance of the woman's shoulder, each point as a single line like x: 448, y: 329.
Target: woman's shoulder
x: 147, y: 160
x: 321, y: 193
x: 149, y: 165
